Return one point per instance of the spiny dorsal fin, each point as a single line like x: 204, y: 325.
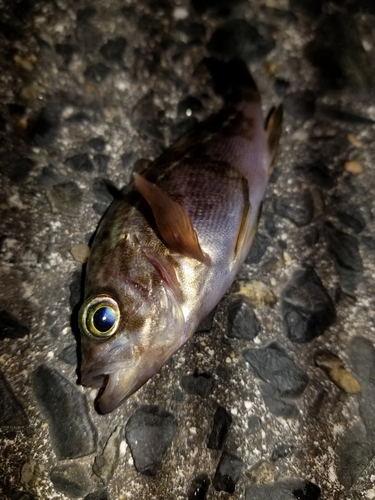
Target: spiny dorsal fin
x: 173, y: 221
x: 274, y: 128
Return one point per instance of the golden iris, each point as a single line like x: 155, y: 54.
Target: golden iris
x: 100, y: 317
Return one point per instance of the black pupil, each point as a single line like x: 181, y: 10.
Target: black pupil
x: 104, y: 319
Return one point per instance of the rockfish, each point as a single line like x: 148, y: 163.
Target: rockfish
x: 169, y: 247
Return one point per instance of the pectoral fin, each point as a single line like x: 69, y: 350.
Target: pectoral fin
x: 172, y: 220
x: 273, y: 128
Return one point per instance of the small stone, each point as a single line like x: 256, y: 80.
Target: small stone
x: 11, y: 327
x: 80, y: 162
x: 80, y: 252
x: 354, y: 220
x: 354, y: 141
x: 257, y: 293
x: 205, y: 325
x: 102, y: 191
x: 48, y: 177
x: 199, y: 488
x: 220, y: 429
x: 74, y: 435
x: 149, y: 433
x: 26, y: 63
x: 128, y: 159
x: 238, y: 39
x: 254, y: 423
x: 242, y: 321
x: 17, y: 171
x: 281, y: 86
x: 66, y: 198
x: 101, y: 494
x: 317, y: 173
x: 227, y: 473
x: 69, y: 355
x: 200, y: 385
x: 105, y: 464
x: 258, y: 249
x: 101, y: 162
x: 300, y: 104
x: 75, y: 289
x: 353, y: 167
x: 97, y: 143
x: 262, y: 473
x: 276, y: 405
x: 66, y: 51
x: 282, y: 450
x: 297, y: 209
x: 336, y: 371
x: 12, y: 413
x: 27, y: 471
x: 71, y: 479
x: 306, y: 307
x: 272, y: 365
x: 46, y: 126
x: 345, y: 250
x: 96, y: 72
x: 113, y: 50
x: 288, y: 489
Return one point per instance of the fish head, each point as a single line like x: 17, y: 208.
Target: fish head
x: 128, y: 331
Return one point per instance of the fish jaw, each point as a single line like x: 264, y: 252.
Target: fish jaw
x: 122, y: 364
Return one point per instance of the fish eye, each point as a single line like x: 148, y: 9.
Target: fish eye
x: 100, y: 317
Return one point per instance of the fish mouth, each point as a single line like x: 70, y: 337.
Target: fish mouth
x: 115, y: 385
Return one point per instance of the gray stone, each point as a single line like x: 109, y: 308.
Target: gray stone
x: 12, y: 412
x: 220, y: 428
x: 149, y: 433
x: 288, y: 489
x: 74, y: 435
x: 199, y: 487
x: 80, y: 162
x: 227, y: 473
x: 66, y: 198
x: 298, y: 209
x: 199, y: 384
x: 105, y: 464
x: 69, y: 355
x: 71, y: 479
x: 242, y: 321
x: 11, y: 327
x: 258, y: 249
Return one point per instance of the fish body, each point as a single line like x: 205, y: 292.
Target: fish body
x: 170, y: 246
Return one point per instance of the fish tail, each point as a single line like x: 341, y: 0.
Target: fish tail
x: 232, y: 80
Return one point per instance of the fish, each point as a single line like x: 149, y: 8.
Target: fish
x: 171, y: 243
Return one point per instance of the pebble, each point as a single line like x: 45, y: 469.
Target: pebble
x: 306, y: 307
x: 242, y: 321
x: 254, y: 423
x: 11, y: 327
x: 220, y: 428
x: 281, y: 450
x: 316, y: 173
x: 149, y: 433
x: 198, y: 384
x: 18, y: 170
x: 298, y: 209
x: 288, y: 489
x: 354, y: 220
x: 96, y: 72
x: 74, y: 435
x: 239, y: 39
x: 258, y: 249
x: 48, y: 177
x: 97, y: 143
x: 80, y: 252
x: 276, y: 405
x: 337, y: 52
x: 80, y: 162
x: 354, y: 167
x: 101, y: 494
x: 12, y: 413
x: 71, y: 479
x: 257, y: 293
x: 272, y: 365
x: 336, y: 371
x: 205, y: 325
x: 262, y: 473
x: 300, y: 104
x: 199, y: 487
x: 103, y: 191
x: 354, y: 141
x: 101, y: 162
x: 66, y: 51
x: 113, y: 50
x: 47, y: 125
x: 345, y: 250
x: 69, y: 355
x: 66, y: 199
x: 227, y: 473
x: 105, y: 464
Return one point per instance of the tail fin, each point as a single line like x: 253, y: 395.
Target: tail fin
x: 231, y: 79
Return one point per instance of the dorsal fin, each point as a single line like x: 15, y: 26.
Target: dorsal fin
x: 173, y: 221
x: 274, y: 128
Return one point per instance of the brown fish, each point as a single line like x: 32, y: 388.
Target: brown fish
x: 168, y: 249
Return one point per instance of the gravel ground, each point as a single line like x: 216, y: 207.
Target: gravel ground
x: 274, y: 397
